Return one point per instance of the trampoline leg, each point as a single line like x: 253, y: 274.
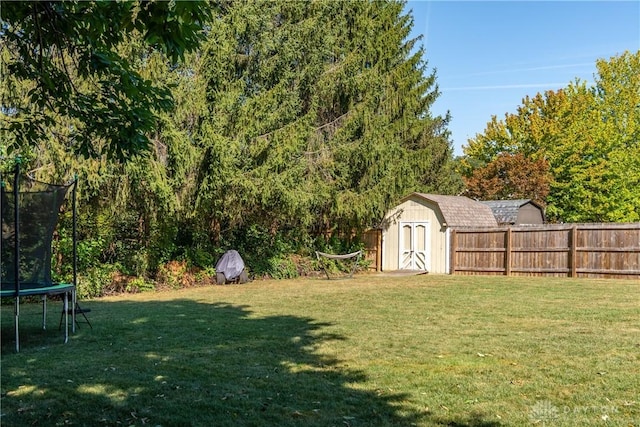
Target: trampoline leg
x: 73, y: 313
x: 44, y: 312
x: 66, y: 317
x: 16, y: 322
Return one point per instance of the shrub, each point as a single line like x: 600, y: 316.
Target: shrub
x: 174, y: 275
x: 95, y: 281
x: 140, y: 284
x: 282, y: 268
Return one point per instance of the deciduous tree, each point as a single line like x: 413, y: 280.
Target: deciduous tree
x: 510, y: 176
x: 65, y: 55
x: 589, y: 136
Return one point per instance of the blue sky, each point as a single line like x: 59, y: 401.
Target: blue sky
x: 489, y: 55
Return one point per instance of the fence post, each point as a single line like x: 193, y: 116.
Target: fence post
x: 507, y: 252
x: 452, y: 252
x: 378, y: 250
x: 573, y: 243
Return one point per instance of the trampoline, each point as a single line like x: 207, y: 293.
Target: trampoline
x: 30, y: 210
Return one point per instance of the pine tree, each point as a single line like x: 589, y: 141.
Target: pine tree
x: 319, y: 117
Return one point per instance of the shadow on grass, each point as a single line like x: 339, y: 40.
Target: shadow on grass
x: 473, y: 421
x: 182, y: 362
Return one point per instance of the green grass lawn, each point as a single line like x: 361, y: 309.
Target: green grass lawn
x: 370, y: 351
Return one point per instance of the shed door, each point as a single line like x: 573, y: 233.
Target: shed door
x: 414, y: 246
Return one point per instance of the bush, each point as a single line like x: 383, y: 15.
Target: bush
x: 95, y: 281
x: 140, y: 284
x: 175, y: 275
x: 205, y: 276
x: 282, y: 268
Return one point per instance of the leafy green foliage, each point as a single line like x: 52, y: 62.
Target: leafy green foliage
x: 140, y: 284
x: 65, y: 55
x: 589, y: 137
x: 96, y: 281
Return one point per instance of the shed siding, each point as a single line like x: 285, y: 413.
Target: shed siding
x: 414, y: 211
x: 529, y: 214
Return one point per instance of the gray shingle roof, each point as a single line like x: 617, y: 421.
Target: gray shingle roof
x: 506, y: 211
x: 460, y: 211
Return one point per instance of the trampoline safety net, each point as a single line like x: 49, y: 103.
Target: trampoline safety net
x: 39, y: 206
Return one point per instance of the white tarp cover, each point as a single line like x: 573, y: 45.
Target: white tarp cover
x: 230, y: 264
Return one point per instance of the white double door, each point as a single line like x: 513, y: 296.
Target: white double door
x: 414, y: 246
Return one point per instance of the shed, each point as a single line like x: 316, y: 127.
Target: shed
x: 516, y: 212
x: 415, y: 233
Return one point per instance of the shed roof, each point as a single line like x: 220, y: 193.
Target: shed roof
x: 506, y: 211
x: 460, y: 211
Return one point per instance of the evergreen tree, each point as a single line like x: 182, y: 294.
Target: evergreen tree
x: 319, y: 117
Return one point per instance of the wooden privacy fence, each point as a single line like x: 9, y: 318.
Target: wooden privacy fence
x: 567, y: 250
x: 372, y: 240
